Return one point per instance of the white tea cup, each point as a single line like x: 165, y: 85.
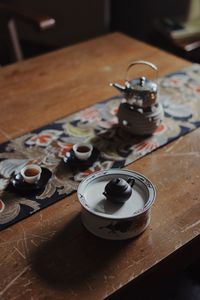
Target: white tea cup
x: 82, y: 151
x: 31, y: 173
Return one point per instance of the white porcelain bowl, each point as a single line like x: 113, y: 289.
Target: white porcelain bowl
x: 110, y: 220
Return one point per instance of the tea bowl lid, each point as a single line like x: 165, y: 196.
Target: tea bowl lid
x: 90, y: 195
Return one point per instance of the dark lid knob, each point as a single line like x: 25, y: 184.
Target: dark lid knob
x: 118, y: 190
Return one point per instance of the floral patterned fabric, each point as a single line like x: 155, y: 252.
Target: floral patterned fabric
x: 179, y: 94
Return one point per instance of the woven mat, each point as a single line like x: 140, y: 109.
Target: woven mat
x: 179, y: 94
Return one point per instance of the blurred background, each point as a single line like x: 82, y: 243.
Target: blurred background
x: 30, y: 28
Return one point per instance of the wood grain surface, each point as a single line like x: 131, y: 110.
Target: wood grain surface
x: 50, y: 255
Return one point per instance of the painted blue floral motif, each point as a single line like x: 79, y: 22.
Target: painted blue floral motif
x: 179, y: 94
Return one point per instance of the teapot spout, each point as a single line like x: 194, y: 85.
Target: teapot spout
x: 131, y: 181
x: 119, y: 87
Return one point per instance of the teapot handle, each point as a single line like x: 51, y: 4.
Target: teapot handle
x: 141, y: 62
x: 131, y: 181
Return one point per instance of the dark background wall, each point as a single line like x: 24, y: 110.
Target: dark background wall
x: 137, y: 17
x: 75, y: 20
x: 78, y: 20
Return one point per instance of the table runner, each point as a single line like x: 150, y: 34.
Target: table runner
x: 179, y: 93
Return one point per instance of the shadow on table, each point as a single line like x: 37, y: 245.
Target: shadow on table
x: 117, y: 141
x: 74, y: 256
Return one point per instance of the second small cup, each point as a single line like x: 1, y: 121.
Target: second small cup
x: 31, y: 173
x: 82, y: 151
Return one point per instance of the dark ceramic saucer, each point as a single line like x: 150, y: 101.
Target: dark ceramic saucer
x: 18, y: 184
x: 76, y: 164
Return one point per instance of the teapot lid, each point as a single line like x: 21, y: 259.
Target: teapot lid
x: 90, y: 194
x: 142, y: 84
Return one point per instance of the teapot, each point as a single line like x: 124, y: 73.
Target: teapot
x: 118, y: 189
x: 140, y: 92
x: 114, y: 220
x: 141, y: 113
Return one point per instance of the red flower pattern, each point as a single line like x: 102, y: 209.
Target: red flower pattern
x: 64, y: 149
x: 90, y: 114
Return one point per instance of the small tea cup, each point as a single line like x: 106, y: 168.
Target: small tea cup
x: 82, y: 151
x: 31, y: 173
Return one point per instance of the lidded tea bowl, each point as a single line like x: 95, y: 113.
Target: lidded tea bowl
x: 104, y: 211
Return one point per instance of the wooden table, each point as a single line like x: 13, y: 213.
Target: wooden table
x: 50, y: 255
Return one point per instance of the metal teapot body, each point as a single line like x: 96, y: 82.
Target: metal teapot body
x: 140, y: 92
